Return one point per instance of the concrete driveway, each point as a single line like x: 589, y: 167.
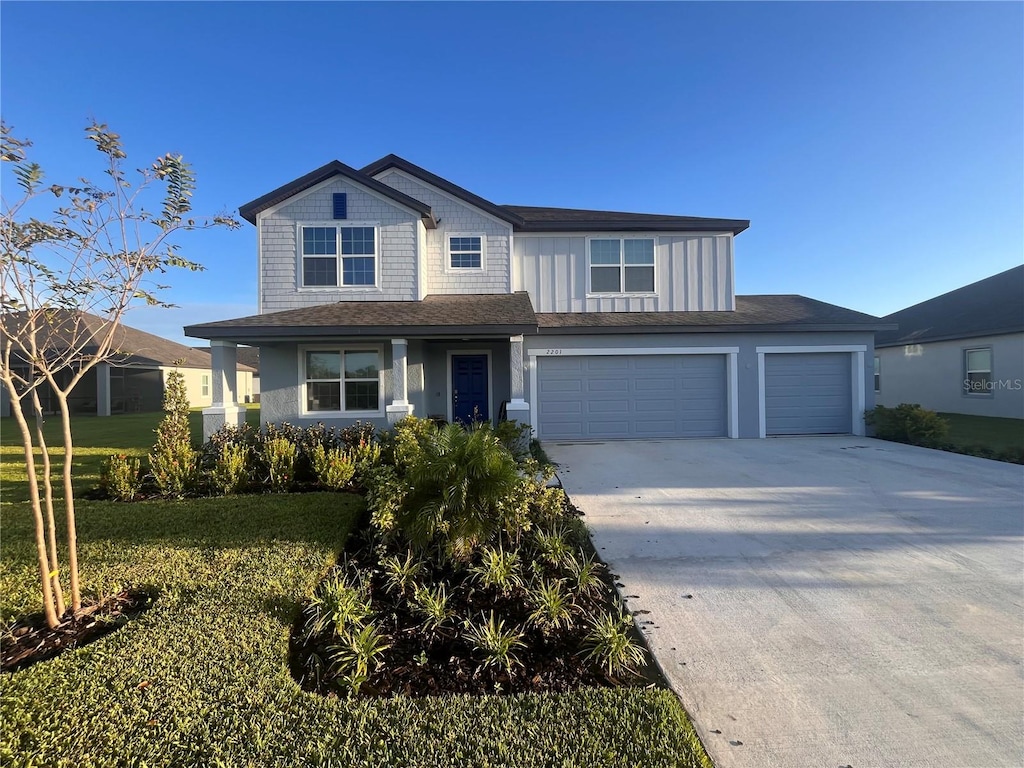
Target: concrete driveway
x: 821, y: 602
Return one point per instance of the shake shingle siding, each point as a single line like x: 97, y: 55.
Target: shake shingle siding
x: 457, y: 217
x: 280, y: 255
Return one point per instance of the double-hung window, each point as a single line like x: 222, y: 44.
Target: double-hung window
x: 334, y: 256
x: 622, y: 265
x: 342, y: 380
x: 206, y: 385
x: 878, y: 374
x: 978, y: 371
x: 466, y: 251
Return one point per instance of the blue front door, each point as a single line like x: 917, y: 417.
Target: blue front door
x: 469, y: 388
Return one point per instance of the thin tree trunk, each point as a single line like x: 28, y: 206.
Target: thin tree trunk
x: 69, y: 503
x: 51, y: 527
x: 37, y: 513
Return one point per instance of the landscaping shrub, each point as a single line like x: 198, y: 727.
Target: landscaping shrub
x: 908, y: 423
x: 230, y: 473
x: 332, y: 466
x: 173, y: 463
x: 121, y: 477
x: 279, y: 455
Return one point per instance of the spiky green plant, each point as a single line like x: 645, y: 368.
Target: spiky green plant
x: 280, y: 455
x: 552, y: 606
x: 402, y: 574
x: 433, y: 605
x: 357, y: 655
x: 498, y: 569
x: 553, y: 546
x: 337, y: 604
x: 608, y: 644
x: 333, y: 467
x: 584, y: 574
x: 495, y: 643
x: 231, y: 468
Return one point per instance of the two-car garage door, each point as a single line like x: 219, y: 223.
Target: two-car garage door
x: 588, y: 396
x: 615, y: 396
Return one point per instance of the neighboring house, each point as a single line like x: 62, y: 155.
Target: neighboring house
x: 133, y: 380
x: 389, y: 290
x: 962, y: 352
x: 250, y: 357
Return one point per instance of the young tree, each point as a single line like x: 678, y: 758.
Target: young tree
x: 66, y: 282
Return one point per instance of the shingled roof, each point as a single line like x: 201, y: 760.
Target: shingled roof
x: 448, y: 315
x: 569, y: 219
x: 989, y: 307
x: 132, y: 347
x: 752, y: 313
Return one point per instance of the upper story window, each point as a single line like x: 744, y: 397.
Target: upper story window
x: 622, y: 265
x: 466, y: 251
x: 978, y: 371
x: 333, y: 253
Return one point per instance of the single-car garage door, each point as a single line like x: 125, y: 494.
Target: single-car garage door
x: 610, y: 396
x: 808, y: 393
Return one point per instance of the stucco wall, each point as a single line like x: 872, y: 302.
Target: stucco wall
x: 278, y: 234
x: 692, y: 272
x: 194, y: 385
x: 932, y: 375
x: 747, y: 343
x: 456, y: 217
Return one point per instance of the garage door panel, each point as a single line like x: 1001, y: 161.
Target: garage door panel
x: 808, y: 393
x: 632, y: 396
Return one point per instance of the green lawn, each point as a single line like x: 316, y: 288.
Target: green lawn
x: 201, y: 679
x: 995, y: 433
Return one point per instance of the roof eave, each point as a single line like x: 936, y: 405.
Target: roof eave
x: 735, y: 227
x: 304, y: 331
x: 903, y: 342
x: 737, y: 328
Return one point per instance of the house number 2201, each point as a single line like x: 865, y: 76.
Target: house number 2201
x: 553, y: 352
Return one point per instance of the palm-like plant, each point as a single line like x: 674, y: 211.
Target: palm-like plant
x: 498, y: 569
x: 495, y: 643
x: 457, y: 484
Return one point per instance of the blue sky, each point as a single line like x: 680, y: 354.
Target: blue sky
x: 877, y: 148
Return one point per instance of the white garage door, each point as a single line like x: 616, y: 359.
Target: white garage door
x: 808, y: 393
x: 619, y: 396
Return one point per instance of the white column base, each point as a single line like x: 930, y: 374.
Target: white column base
x: 398, y: 411
x: 518, y: 410
x: 216, y: 416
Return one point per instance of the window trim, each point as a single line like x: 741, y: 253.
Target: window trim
x: 340, y: 349
x: 448, y: 252
x: 591, y: 294
x: 964, y: 355
x: 337, y: 225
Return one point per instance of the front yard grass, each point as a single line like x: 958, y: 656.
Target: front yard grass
x: 997, y: 434
x: 202, y: 677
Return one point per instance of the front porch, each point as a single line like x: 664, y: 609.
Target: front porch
x: 339, y: 381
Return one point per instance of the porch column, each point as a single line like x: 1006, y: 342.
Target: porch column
x: 103, y: 389
x: 225, y: 408
x: 399, y: 407
x: 517, y: 409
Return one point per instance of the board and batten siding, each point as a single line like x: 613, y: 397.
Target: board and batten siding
x: 456, y: 217
x: 279, y: 256
x: 693, y: 272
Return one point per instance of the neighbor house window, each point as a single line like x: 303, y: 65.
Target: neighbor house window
x: 466, y: 251
x: 978, y: 371
x: 330, y: 254
x: 622, y: 265
x: 878, y: 374
x: 206, y: 385
x: 343, y: 380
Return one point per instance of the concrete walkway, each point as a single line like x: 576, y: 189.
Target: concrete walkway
x: 821, y: 602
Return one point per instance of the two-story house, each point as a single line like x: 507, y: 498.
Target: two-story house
x: 390, y: 291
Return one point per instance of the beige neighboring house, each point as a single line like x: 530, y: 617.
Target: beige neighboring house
x: 134, y: 379
x: 247, y: 356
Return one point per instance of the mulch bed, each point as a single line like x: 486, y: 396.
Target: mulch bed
x: 429, y: 663
x: 29, y: 640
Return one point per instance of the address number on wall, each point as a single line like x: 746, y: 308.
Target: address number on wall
x: 553, y: 352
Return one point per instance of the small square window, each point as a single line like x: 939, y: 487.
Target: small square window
x: 465, y: 252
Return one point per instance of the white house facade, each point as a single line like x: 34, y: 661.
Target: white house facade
x: 390, y: 291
